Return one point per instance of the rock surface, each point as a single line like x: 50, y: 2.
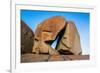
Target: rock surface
x: 49, y: 29
x: 27, y: 36
x: 34, y: 58
x: 70, y: 41
x: 56, y: 58
x: 46, y: 33
x: 26, y: 58
x: 41, y: 47
x: 37, y: 47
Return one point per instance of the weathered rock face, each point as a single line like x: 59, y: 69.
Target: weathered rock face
x: 41, y: 47
x: 48, y: 30
x: 46, y: 33
x: 26, y: 38
x: 70, y: 41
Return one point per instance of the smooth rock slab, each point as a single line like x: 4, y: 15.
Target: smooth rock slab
x: 78, y: 57
x: 56, y: 58
x: 28, y: 58
x: 34, y: 58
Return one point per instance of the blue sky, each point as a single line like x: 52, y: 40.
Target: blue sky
x: 82, y: 20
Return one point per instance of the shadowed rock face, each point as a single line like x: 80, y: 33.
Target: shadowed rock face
x: 70, y: 41
x: 46, y: 33
x: 26, y: 38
